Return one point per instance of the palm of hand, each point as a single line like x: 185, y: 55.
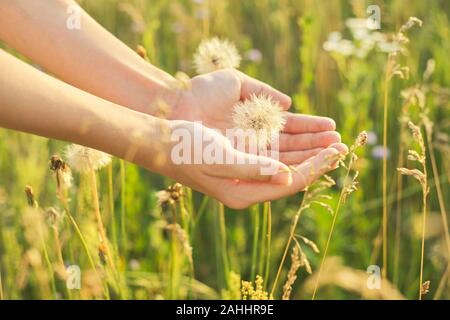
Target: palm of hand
x: 212, y: 97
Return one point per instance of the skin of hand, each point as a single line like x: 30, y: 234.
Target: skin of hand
x: 95, y: 61
x: 210, y: 98
x: 34, y: 102
x: 241, y: 185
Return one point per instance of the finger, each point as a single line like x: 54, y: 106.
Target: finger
x: 342, y: 148
x: 296, y: 157
x: 299, y: 123
x: 305, y: 141
x: 251, y: 168
x: 252, y: 86
x: 303, y: 175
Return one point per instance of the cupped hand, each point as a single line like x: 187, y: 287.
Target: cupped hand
x: 243, y: 181
x: 210, y: 98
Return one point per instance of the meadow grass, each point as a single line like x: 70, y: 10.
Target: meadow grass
x: 131, y: 243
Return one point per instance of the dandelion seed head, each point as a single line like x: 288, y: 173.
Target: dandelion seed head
x: 83, y: 159
x: 261, y: 116
x: 215, y: 54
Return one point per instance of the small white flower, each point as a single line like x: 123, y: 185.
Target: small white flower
x: 83, y: 159
x: 215, y: 54
x: 261, y: 116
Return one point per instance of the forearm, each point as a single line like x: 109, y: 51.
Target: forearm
x: 34, y: 102
x: 89, y: 58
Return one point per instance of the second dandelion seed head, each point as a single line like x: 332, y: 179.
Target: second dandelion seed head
x: 215, y: 54
x: 84, y: 159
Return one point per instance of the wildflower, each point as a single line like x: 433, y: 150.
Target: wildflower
x: 379, y: 152
x: 84, y: 159
x: 256, y: 292
x: 254, y: 55
x: 372, y: 137
x: 261, y: 117
x: 215, y: 54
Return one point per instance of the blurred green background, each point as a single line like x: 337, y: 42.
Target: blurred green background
x: 281, y: 43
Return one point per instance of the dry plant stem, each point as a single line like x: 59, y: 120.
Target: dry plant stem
x: 288, y: 244
x: 398, y: 212
x: 59, y: 254
x: 102, y: 231
x: 50, y: 268
x: 123, y: 229
x: 268, y: 243
x: 424, y: 221
x: 63, y: 199
x: 442, y: 283
x: 2, y: 296
x: 385, y: 124
x: 338, y: 207
x: 438, y: 188
x: 223, y: 240
x: 173, y: 253
x: 255, y: 214
x: 111, y: 206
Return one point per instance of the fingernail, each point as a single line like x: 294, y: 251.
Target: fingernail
x: 283, y: 178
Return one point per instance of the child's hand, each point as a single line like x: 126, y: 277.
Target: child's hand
x: 211, y: 99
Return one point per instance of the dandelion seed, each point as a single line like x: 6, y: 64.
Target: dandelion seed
x: 261, y: 117
x: 83, y: 159
x: 215, y: 54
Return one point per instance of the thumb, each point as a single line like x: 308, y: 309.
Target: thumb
x: 252, y: 168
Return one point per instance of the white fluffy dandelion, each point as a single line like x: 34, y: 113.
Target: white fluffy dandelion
x: 214, y: 54
x: 260, y: 116
x: 83, y: 159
